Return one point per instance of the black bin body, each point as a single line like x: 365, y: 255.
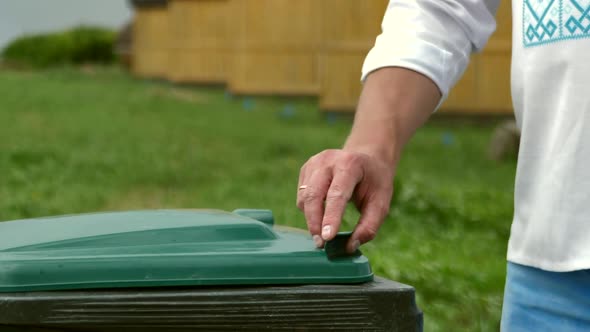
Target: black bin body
x: 381, y: 305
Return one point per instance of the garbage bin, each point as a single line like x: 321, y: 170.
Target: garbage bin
x: 189, y: 270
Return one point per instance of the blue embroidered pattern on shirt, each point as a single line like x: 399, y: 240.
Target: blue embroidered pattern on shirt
x: 547, y: 21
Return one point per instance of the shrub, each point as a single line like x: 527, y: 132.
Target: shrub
x: 75, y: 46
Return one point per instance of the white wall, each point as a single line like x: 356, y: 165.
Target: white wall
x: 18, y: 17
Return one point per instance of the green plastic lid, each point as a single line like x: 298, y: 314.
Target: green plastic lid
x: 167, y: 248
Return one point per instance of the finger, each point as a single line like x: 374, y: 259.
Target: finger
x: 313, y: 201
x: 337, y: 197
x: 301, y: 179
x: 372, y: 216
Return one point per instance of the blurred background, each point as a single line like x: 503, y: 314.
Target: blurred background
x: 20, y: 17
x: 118, y: 105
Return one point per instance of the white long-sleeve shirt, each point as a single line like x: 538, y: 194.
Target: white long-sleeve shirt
x: 551, y: 96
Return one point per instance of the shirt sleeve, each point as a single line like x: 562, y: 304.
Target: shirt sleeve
x: 432, y: 37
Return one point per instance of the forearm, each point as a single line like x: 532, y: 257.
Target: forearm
x: 394, y: 103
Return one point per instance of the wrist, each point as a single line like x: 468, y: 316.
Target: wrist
x: 393, y: 104
x: 385, y: 151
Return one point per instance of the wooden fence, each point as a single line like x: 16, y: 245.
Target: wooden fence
x: 277, y: 47
x: 151, y: 39
x: 302, y: 47
x: 202, y: 40
x: 349, y: 29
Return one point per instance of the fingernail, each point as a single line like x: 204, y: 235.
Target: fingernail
x: 355, y: 245
x: 326, y: 231
x: 318, y: 241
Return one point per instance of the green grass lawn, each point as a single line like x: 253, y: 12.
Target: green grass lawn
x: 76, y: 141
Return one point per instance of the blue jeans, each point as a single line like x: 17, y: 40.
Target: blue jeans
x: 537, y: 300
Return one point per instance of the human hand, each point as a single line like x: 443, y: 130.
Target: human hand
x: 332, y: 178
x: 393, y: 104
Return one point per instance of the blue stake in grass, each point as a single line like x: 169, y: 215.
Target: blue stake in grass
x: 331, y: 118
x: 248, y: 104
x: 448, y: 139
x: 228, y: 96
x: 288, y: 112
